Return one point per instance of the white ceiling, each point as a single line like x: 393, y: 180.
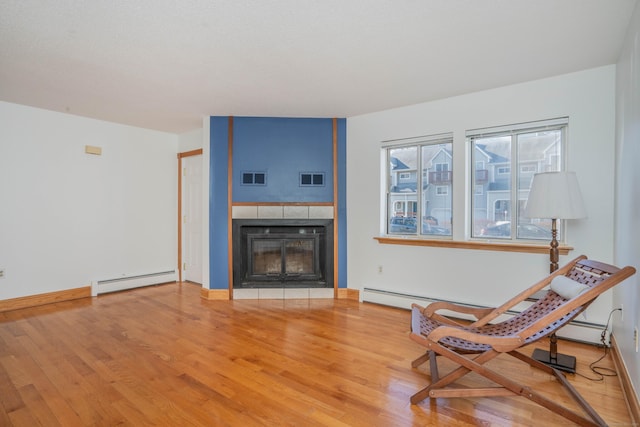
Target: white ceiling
x: 164, y: 64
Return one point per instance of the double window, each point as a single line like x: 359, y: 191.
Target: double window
x: 419, y: 186
x: 502, y: 162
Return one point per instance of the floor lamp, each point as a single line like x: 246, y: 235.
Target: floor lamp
x: 555, y: 195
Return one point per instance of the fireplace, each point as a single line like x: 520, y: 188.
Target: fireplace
x: 282, y: 253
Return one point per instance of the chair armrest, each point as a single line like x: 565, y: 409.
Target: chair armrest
x: 501, y: 344
x: 477, y: 312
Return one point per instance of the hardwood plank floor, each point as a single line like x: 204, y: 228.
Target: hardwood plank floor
x: 163, y: 356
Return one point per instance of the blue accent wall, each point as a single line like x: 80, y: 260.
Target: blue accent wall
x: 218, y: 204
x: 283, y: 148
x: 342, y: 203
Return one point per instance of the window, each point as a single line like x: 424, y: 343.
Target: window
x: 500, y: 194
x: 419, y: 186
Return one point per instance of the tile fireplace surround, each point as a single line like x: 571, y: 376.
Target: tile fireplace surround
x: 282, y: 212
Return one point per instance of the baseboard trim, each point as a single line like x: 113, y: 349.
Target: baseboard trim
x: 630, y: 395
x: 346, y: 293
x: 223, y: 294
x: 46, y: 298
x: 214, y: 294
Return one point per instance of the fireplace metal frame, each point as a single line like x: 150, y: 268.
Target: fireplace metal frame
x: 244, y: 231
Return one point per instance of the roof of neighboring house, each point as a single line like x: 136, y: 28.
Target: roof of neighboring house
x: 397, y: 164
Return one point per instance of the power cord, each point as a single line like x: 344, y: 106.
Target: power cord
x: 602, y: 371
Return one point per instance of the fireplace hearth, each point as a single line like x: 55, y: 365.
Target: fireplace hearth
x: 282, y: 253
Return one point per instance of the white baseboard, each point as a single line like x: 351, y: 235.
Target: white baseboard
x: 577, y: 330
x: 130, y: 282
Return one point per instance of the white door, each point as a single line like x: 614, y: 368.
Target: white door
x: 192, y: 218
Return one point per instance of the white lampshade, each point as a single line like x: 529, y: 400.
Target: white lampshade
x: 555, y: 195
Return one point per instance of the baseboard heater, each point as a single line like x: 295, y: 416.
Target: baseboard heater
x: 577, y: 330
x: 130, y: 282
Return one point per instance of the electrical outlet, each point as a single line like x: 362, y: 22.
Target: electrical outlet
x: 379, y: 269
x: 1, y: 273
x: 635, y: 338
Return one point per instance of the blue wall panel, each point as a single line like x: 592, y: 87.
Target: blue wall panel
x: 283, y: 148
x: 218, y: 204
x: 342, y: 203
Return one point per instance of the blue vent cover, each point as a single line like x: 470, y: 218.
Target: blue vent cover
x: 254, y: 178
x: 312, y: 179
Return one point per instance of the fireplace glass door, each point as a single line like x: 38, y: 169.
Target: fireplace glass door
x: 267, y: 257
x: 298, y: 257
x: 285, y: 258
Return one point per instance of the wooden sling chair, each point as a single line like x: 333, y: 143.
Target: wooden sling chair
x: 471, y: 346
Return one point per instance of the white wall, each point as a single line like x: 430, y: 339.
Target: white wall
x: 627, y: 248
x: 66, y: 217
x: 472, y: 276
x: 190, y: 140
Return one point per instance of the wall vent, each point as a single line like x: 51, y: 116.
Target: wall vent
x: 312, y: 179
x: 254, y: 178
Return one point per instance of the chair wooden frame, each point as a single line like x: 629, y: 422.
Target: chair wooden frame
x: 471, y: 346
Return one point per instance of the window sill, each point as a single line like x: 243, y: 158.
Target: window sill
x: 472, y: 244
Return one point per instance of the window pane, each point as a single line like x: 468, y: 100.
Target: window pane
x: 402, y: 191
x: 537, y: 152
x: 437, y: 189
x: 504, y: 166
x: 492, y: 180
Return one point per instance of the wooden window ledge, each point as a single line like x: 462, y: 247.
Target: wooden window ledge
x: 472, y: 244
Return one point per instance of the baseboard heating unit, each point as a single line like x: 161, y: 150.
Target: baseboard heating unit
x: 577, y: 330
x: 130, y: 282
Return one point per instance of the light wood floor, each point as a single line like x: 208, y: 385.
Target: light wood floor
x: 164, y: 356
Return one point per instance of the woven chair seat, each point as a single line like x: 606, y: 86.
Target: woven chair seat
x: 513, y: 326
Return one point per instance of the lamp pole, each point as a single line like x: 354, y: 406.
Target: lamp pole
x: 553, y: 249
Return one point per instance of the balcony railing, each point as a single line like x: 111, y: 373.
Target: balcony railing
x: 440, y: 177
x: 482, y: 176
x: 444, y: 177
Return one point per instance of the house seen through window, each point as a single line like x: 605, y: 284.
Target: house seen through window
x: 419, y: 186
